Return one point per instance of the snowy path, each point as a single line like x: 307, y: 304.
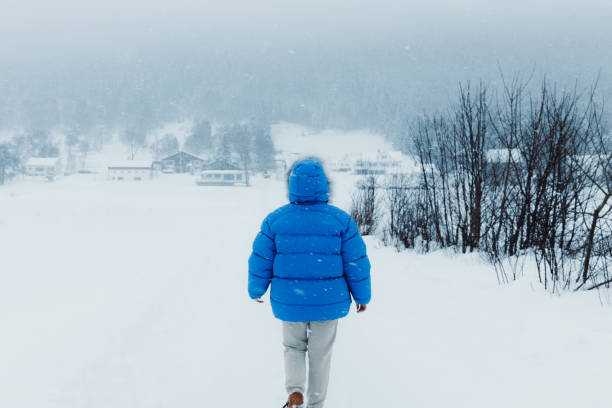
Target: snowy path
x: 130, y: 296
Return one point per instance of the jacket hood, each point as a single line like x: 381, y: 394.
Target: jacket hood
x: 308, y: 182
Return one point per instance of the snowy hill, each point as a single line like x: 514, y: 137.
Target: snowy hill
x: 326, y: 144
x: 113, y: 152
x: 180, y: 130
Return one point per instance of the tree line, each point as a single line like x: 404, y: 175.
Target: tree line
x: 508, y: 174
x: 248, y: 145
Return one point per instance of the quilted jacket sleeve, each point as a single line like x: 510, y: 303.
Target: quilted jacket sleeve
x: 261, y: 261
x: 356, y: 264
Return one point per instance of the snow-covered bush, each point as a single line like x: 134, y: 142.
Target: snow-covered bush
x: 365, y: 206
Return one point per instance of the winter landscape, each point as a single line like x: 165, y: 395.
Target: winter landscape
x: 131, y: 196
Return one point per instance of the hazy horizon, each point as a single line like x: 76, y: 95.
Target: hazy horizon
x: 159, y: 60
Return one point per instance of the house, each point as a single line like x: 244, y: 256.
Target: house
x: 182, y: 162
x: 221, y: 178
x: 503, y: 155
x: 221, y: 173
x: 130, y: 170
x: 343, y: 165
x: 377, y: 162
x: 498, y: 162
x: 157, y: 165
x: 48, y: 167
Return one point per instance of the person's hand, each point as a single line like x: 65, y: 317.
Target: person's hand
x: 361, y: 308
x: 258, y: 300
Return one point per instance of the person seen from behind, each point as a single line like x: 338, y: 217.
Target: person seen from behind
x: 312, y: 255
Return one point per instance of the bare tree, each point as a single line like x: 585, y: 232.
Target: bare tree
x: 365, y: 206
x: 8, y: 160
x: 545, y: 188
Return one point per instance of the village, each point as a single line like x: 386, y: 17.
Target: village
x: 223, y: 155
x: 217, y: 172
x: 389, y: 167
x: 230, y: 155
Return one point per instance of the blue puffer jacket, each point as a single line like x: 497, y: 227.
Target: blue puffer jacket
x: 311, y: 252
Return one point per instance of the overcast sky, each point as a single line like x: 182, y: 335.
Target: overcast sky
x: 193, y: 56
x: 27, y: 25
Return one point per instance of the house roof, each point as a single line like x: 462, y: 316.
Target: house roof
x: 185, y: 156
x: 130, y: 164
x: 381, y: 156
x: 221, y: 172
x: 221, y: 165
x: 503, y: 155
x: 43, y: 161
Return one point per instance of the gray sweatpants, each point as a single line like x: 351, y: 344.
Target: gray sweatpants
x: 316, y: 339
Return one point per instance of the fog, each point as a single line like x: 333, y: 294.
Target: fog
x: 151, y: 171
x: 352, y: 64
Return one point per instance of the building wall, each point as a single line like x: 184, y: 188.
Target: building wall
x: 129, y: 174
x: 41, y: 171
x: 184, y: 164
x: 221, y: 178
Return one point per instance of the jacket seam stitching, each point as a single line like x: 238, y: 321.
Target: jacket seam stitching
x: 356, y: 259
x: 266, y: 235
x: 358, y: 280
x: 304, y: 305
x: 259, y: 276
x: 262, y: 257
x: 352, y: 237
x: 310, y: 253
x: 309, y: 279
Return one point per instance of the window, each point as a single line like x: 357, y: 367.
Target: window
x: 228, y: 177
x: 238, y: 176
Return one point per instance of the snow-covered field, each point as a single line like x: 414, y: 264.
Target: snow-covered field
x: 134, y: 295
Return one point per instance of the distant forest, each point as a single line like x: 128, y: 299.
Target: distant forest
x: 380, y: 82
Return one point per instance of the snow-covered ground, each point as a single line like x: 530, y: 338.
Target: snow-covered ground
x: 129, y: 295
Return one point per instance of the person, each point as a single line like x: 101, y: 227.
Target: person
x: 312, y: 255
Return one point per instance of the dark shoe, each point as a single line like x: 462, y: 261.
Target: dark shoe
x: 296, y: 399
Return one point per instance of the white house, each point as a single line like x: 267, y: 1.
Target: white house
x: 130, y: 170
x: 378, y: 162
x: 48, y: 167
x: 221, y: 178
x: 503, y: 155
x: 343, y: 165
